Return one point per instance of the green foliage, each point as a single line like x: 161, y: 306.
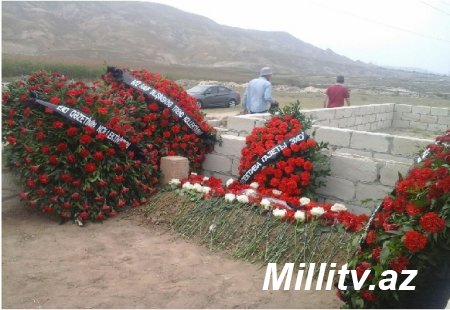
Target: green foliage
x: 15, y: 68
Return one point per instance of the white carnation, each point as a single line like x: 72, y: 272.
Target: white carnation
x: 279, y: 213
x: 317, y: 211
x: 188, y: 186
x: 206, y: 189
x: 212, y: 228
x: 265, y: 203
x: 338, y: 207
x: 193, y: 173
x: 229, y: 182
x: 230, y: 197
x: 205, y: 179
x: 175, y: 182
x: 254, y: 185
x: 242, y: 198
x: 300, y: 216
x: 198, y: 188
x: 304, y: 201
x: 277, y: 192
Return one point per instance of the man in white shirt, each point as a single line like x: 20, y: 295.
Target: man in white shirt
x: 258, y: 95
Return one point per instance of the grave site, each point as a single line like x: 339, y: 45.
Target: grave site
x: 118, y: 193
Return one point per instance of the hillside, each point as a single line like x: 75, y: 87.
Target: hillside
x: 143, y: 33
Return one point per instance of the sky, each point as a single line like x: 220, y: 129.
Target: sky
x: 400, y: 33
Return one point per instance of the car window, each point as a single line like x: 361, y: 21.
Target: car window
x: 224, y: 89
x: 197, y: 89
x: 212, y: 90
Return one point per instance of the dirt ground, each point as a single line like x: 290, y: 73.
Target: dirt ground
x: 119, y: 264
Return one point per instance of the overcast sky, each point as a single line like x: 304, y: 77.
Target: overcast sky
x: 405, y: 33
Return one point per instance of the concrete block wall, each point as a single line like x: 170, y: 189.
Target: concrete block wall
x: 432, y: 119
x: 368, y: 117
x: 355, y: 178
x: 364, y: 165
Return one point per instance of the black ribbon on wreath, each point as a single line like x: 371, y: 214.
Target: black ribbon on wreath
x: 163, y: 100
x: 81, y: 119
x: 270, y: 156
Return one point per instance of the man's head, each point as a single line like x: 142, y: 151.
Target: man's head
x: 266, y: 72
x: 340, y: 79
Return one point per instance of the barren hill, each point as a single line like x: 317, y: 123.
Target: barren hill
x: 150, y: 33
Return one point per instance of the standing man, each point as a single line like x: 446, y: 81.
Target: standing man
x: 258, y: 95
x: 337, y: 94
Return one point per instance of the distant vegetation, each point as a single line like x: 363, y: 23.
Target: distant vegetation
x: 12, y: 68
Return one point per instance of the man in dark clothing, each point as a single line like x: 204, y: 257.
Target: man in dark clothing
x: 337, y: 94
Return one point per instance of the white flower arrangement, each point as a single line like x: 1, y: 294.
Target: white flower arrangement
x: 300, y: 216
x: 198, y: 188
x: 279, y: 213
x: 229, y: 182
x: 317, y: 211
x: 338, y: 207
x: 230, y: 197
x: 242, y: 198
x: 188, y: 186
x: 254, y: 185
x: 304, y: 201
x: 206, y: 189
x: 265, y: 203
x: 175, y: 182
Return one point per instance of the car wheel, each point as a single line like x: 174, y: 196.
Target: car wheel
x: 232, y: 103
x: 200, y: 104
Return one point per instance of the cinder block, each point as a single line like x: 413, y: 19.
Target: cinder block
x: 214, y: 122
x: 241, y: 123
x: 231, y: 146
x: 439, y: 111
x: 403, y: 160
x: 372, y: 192
x: 421, y: 109
x: 339, y: 188
x: 174, y: 167
x: 419, y: 125
x: 354, y: 168
x: 235, y: 167
x: 370, y: 141
x: 325, y: 114
x: 429, y: 119
x: 444, y: 120
x: 390, y: 170
x: 408, y: 146
x: 217, y: 163
x: 335, y: 136
x: 353, y: 152
x: 437, y: 128
x: 390, y: 107
x: 403, y: 108
x: 398, y: 123
x: 410, y: 116
x: 343, y: 123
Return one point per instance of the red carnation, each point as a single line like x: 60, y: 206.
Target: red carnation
x: 55, y: 100
x: 58, y: 124
x: 399, y: 263
x: 85, y: 139
x: 98, y: 155
x: 53, y: 160
x: 61, y: 147
x: 414, y: 241
x: 90, y: 167
x: 100, y: 136
x: 102, y: 110
x: 40, y: 136
x: 432, y: 223
x: 72, y: 131
x: 367, y: 295
x: 11, y: 140
x: 43, y: 178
